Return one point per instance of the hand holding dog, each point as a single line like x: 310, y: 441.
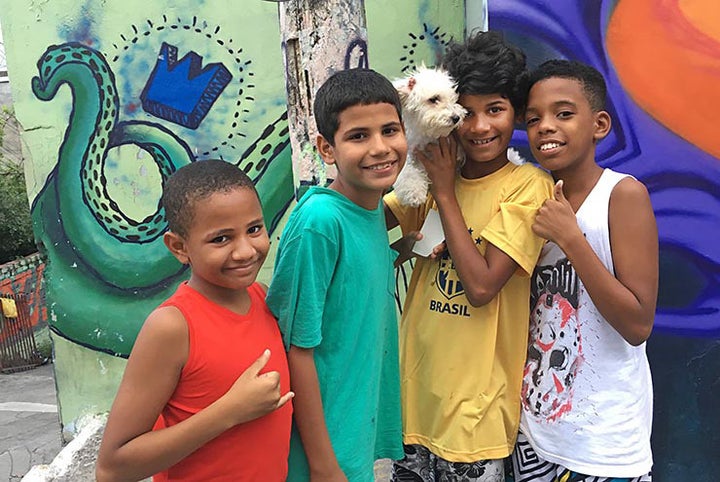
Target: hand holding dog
x: 555, y: 220
x: 440, y: 163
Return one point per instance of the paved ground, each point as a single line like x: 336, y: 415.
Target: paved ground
x: 30, y: 428
x: 29, y: 424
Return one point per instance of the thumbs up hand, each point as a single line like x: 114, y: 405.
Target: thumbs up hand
x: 555, y: 220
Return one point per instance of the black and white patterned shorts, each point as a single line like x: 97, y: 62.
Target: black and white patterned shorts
x: 421, y: 465
x: 528, y: 466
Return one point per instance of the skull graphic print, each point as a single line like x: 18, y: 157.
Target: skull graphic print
x: 555, y: 342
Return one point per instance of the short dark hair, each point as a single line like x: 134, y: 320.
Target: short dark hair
x: 196, y: 181
x: 348, y: 88
x: 592, y: 81
x: 486, y: 64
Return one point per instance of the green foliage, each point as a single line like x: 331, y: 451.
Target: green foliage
x: 16, y: 235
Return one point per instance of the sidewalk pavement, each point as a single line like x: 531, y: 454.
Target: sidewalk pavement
x: 29, y: 422
x: 30, y: 432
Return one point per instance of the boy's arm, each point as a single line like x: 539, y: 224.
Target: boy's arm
x: 391, y: 221
x: 304, y: 269
x: 130, y: 450
x: 626, y: 300
x: 405, y: 244
x: 482, y: 277
x: 310, y: 418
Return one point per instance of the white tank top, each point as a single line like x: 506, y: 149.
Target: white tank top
x: 587, y: 393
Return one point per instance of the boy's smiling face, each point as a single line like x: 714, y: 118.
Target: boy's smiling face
x: 485, y: 133
x: 562, y: 128
x: 226, y: 242
x: 369, y: 152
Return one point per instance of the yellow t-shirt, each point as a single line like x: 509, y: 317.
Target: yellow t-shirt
x: 461, y: 366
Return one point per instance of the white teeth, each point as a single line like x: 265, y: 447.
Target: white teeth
x: 482, y: 141
x: 549, y: 145
x: 380, y: 167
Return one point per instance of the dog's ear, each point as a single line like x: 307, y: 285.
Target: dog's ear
x: 404, y: 87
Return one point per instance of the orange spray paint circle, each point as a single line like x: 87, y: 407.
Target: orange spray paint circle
x: 667, y: 56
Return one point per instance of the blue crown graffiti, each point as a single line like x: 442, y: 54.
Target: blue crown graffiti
x: 183, y: 91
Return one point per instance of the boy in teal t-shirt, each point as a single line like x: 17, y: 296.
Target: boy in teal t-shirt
x: 333, y: 288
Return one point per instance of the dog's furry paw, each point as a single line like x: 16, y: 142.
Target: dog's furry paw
x: 411, y: 186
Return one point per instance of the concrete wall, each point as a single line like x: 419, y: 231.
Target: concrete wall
x: 115, y: 94
x: 662, y: 64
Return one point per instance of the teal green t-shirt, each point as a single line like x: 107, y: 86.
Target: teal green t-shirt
x: 333, y: 291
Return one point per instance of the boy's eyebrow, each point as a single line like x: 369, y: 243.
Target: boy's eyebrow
x: 557, y: 103
x: 216, y: 233
x: 356, y: 128
x: 222, y: 231
x: 259, y: 220
x: 564, y: 102
x: 501, y: 100
x: 396, y: 123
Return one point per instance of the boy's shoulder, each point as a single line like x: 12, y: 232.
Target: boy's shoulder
x: 320, y: 210
x: 627, y: 190
x: 623, y: 187
x: 319, y: 203
x: 528, y: 170
x: 528, y: 176
x: 183, y: 294
x: 166, y: 327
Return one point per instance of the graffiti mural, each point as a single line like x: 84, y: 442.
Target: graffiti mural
x: 113, y: 97
x: 661, y: 61
x: 182, y: 92
x: 94, y: 234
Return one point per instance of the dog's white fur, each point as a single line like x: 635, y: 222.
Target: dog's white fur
x: 430, y: 110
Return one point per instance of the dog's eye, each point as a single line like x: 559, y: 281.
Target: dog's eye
x: 434, y: 100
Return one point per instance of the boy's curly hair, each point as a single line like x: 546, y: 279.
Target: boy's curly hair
x: 486, y: 64
x: 196, y: 181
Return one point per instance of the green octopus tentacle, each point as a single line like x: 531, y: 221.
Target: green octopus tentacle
x: 98, y: 253
x: 268, y: 162
x: 123, y: 252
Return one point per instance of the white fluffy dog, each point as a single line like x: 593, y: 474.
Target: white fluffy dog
x: 430, y: 110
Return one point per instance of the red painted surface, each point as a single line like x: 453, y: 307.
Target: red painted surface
x: 30, y: 282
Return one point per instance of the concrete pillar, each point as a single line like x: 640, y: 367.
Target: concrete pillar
x: 319, y: 37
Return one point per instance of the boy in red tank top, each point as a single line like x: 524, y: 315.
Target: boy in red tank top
x: 206, y: 389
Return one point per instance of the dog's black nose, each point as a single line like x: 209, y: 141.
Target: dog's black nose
x: 455, y: 119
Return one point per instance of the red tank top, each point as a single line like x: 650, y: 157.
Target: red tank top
x: 222, y: 344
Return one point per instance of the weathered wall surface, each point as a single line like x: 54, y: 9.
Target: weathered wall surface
x: 113, y: 96
x: 662, y: 63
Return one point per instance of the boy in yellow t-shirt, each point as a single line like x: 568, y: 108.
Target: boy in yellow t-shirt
x: 463, y: 333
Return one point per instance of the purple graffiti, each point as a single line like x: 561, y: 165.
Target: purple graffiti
x: 683, y: 180
x: 356, y: 55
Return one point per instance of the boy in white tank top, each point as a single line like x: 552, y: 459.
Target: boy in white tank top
x: 587, y: 390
